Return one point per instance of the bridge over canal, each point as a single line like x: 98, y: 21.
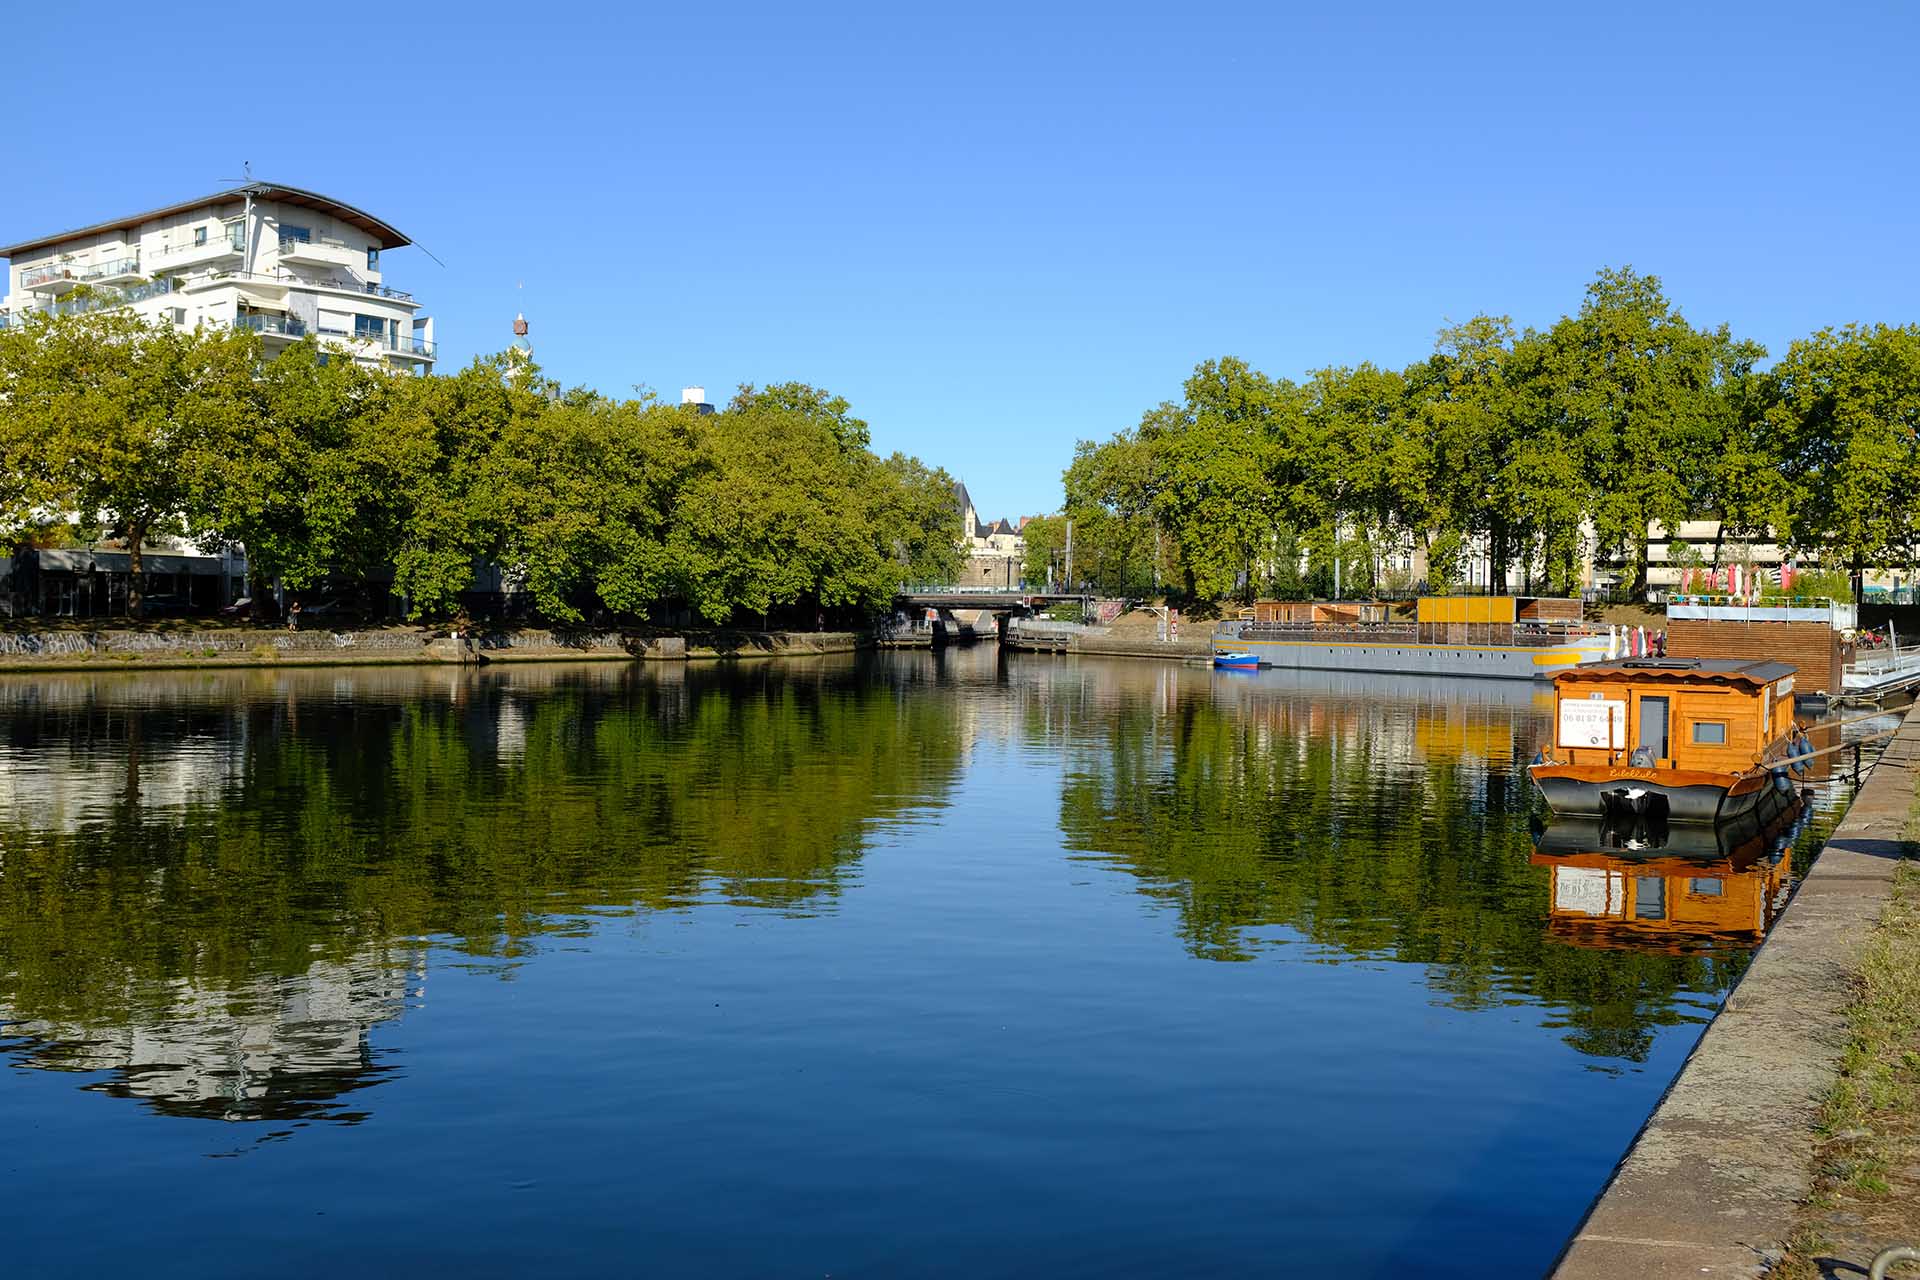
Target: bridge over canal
x: 942, y: 602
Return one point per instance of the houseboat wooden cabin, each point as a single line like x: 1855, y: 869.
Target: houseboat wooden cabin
x: 1684, y: 739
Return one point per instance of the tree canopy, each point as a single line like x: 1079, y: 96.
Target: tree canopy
x: 322, y: 468
x: 1527, y: 443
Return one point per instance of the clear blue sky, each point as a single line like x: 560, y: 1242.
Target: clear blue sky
x: 999, y: 229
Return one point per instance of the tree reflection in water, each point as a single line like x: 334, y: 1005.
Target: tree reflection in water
x: 214, y: 887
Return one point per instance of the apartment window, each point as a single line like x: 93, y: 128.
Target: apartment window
x: 1709, y: 733
x: 199, y: 236
x: 373, y: 259
x: 372, y: 328
x: 291, y: 234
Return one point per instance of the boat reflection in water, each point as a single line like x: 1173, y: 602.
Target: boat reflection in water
x: 1646, y: 886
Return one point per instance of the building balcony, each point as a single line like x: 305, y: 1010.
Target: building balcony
x: 405, y: 346
x: 120, y: 271
x: 227, y: 246
x: 414, y: 348
x: 324, y: 251
x: 57, y: 278
x: 282, y: 280
x: 52, y: 280
x: 100, y: 299
x: 269, y: 326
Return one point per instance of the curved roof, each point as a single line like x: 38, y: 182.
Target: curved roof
x: 388, y: 236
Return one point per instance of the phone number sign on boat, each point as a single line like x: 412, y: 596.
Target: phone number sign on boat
x: 1593, y: 723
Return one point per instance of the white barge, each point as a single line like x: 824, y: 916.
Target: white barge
x: 1493, y: 637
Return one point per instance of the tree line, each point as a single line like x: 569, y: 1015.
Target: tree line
x: 111, y: 427
x: 1526, y: 443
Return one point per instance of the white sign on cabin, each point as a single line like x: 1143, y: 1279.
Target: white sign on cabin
x: 1594, y: 723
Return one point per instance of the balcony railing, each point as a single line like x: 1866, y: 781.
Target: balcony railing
x: 406, y: 344
x: 285, y: 326
x: 80, y: 273
x: 294, y: 240
x: 352, y: 284
x: 100, y: 299
x: 231, y: 239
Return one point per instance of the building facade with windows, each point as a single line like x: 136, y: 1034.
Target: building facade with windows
x: 278, y: 260
x: 996, y: 553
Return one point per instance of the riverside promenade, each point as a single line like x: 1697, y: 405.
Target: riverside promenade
x: 1712, y: 1184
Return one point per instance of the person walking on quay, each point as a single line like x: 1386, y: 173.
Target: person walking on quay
x: 293, y: 616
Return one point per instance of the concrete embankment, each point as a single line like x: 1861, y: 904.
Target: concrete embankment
x: 1711, y: 1185
x: 249, y: 647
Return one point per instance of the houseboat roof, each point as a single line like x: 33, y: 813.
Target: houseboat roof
x: 1723, y: 670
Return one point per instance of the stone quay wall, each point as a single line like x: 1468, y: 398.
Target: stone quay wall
x: 243, y: 646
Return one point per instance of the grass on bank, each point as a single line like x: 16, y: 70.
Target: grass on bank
x: 1866, y: 1185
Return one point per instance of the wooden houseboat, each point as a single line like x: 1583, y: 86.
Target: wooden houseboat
x: 1687, y: 740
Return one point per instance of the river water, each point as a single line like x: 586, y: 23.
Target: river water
x: 966, y: 964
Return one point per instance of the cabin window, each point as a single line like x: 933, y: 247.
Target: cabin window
x: 1650, y: 895
x: 1653, y: 726
x: 1706, y: 887
x: 1709, y: 733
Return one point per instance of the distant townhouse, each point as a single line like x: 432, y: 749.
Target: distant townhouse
x: 278, y: 260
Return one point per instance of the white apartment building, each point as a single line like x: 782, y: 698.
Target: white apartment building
x: 277, y: 260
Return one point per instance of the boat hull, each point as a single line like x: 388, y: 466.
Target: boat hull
x: 1405, y: 658
x: 1236, y: 661
x: 1683, y: 796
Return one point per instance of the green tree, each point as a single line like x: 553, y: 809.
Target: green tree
x: 1045, y: 538
x: 431, y: 451
x: 1230, y: 468
x: 104, y: 413
x: 1642, y: 394
x: 1847, y: 408
x: 288, y: 479
x: 1117, y: 544
x: 583, y: 497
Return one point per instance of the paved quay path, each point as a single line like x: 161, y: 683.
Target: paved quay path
x: 1711, y: 1185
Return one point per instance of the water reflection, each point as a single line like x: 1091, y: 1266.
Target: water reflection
x: 1370, y: 818
x: 282, y: 1047
x: 217, y: 890
x: 1651, y: 887
x: 207, y: 883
